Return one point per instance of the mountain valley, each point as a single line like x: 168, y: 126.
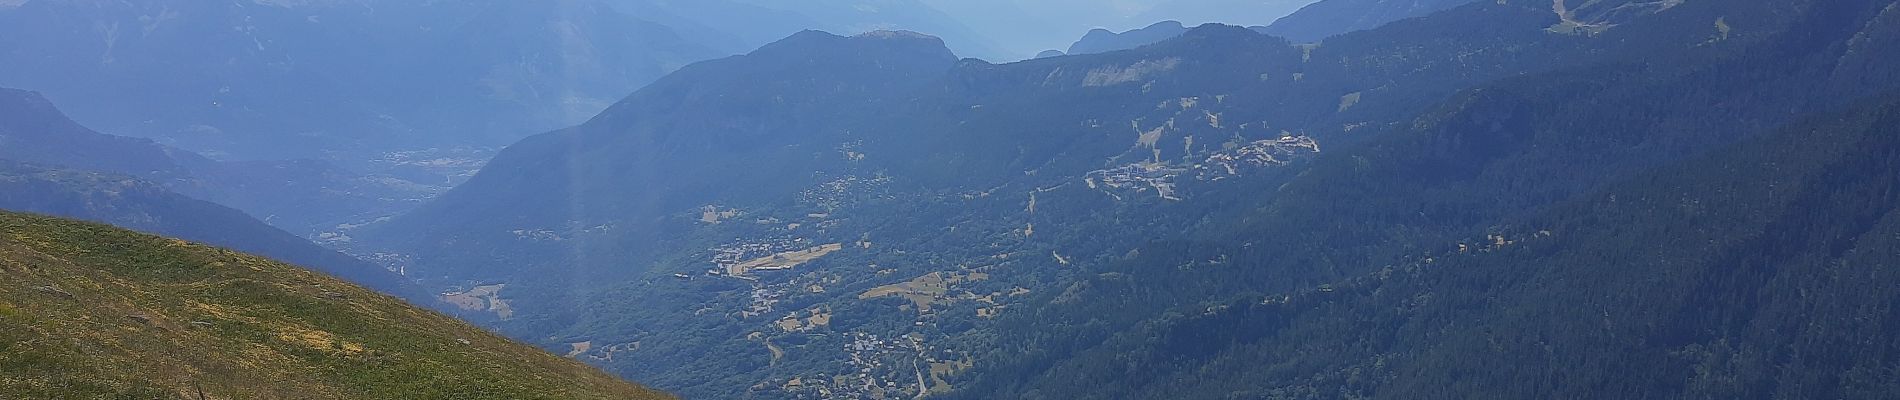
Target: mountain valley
x: 1057, y: 180
x: 847, y: 199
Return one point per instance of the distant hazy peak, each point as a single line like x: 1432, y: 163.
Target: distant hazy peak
x: 1229, y: 33
x: 29, y: 113
x: 11, y: 98
x: 1332, y: 17
x: 1166, y: 25
x: 896, y: 34
x: 1221, y: 29
x: 1163, y: 25
x: 299, y: 3
x: 1224, y: 34
x: 885, y: 41
x: 1102, y: 40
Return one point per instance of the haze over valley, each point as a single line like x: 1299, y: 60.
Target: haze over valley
x: 981, y: 199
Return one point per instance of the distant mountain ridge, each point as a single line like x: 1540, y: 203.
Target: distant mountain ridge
x: 1103, y: 40
x: 1311, y: 23
x: 1232, y: 12
x: 35, y: 130
x: 1327, y: 18
x: 296, y: 79
x: 1316, y: 21
x: 301, y: 195
x: 147, y: 207
x: 249, y: 80
x: 1028, y: 26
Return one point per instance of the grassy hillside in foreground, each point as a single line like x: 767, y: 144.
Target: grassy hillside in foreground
x: 91, y: 311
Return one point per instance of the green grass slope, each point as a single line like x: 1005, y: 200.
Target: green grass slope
x: 90, y: 311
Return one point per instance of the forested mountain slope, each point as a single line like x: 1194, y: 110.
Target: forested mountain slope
x: 1497, y: 165
x: 864, y: 216
x: 1761, y: 271
x: 89, y: 311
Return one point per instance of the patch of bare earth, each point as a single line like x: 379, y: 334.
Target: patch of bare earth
x: 783, y: 261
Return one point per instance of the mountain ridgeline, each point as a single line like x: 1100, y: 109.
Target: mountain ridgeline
x: 263, y: 79
x: 353, y: 79
x: 91, y: 311
x: 298, y: 195
x: 51, y: 165
x: 1320, y: 20
x: 1223, y: 214
x: 1103, y: 40
x: 1311, y: 24
x: 143, y: 206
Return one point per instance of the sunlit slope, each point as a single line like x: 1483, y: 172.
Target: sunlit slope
x: 90, y: 311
